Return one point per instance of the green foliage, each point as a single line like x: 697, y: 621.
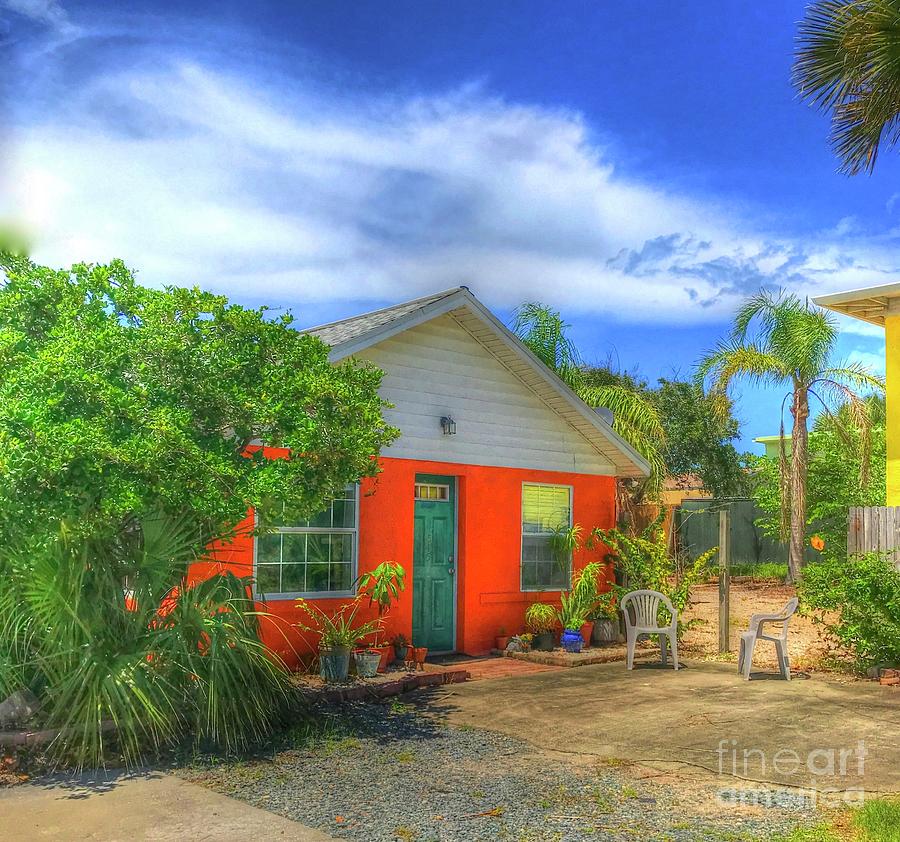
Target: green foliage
x: 540, y: 617
x: 117, y: 399
x: 847, y: 466
x: 700, y: 429
x: 759, y: 572
x: 635, y: 418
x: 564, y: 540
x: 864, y: 594
x: 383, y: 585
x: 339, y: 628
x: 846, y: 65
x: 779, y: 340
x: 572, y: 613
x: 157, y: 660
x: 643, y: 562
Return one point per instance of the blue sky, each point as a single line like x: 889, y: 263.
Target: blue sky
x: 641, y: 166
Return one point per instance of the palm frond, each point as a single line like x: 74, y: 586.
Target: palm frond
x: 544, y: 331
x: 733, y: 360
x: 635, y: 418
x: 848, y: 63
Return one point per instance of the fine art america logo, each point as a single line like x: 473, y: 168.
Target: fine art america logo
x: 821, y: 767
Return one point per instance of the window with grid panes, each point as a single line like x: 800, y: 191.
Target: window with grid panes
x: 311, y: 557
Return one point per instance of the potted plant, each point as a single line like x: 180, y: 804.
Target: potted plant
x: 571, y: 616
x: 382, y: 586
x: 540, y: 620
x: 338, y: 634
x: 400, y: 644
x: 606, y: 620
x: 585, y: 595
x: 501, y: 641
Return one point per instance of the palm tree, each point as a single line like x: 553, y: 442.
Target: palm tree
x: 777, y: 339
x: 635, y: 417
x: 848, y: 63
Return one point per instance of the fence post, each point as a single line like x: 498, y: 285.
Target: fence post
x: 724, y: 584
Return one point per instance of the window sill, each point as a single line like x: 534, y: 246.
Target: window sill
x: 284, y: 597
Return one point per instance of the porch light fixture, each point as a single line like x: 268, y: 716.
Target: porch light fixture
x: 448, y: 426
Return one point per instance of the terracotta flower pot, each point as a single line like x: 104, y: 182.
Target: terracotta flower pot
x: 387, y: 656
x: 501, y: 642
x: 415, y: 657
x: 586, y: 631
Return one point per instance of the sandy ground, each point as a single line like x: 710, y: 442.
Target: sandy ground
x: 807, y: 646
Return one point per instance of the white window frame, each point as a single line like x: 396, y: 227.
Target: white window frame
x: 571, y: 490
x: 353, y: 531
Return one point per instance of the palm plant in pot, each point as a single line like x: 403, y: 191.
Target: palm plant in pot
x: 540, y: 620
x: 382, y: 586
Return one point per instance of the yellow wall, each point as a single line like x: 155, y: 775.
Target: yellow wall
x: 892, y: 431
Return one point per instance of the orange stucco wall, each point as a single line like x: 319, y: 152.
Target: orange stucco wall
x: 489, y: 536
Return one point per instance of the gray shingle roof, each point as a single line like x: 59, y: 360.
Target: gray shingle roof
x: 336, y: 333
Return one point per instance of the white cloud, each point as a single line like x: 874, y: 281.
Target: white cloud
x: 47, y: 12
x: 277, y: 188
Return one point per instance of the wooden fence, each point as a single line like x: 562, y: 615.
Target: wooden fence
x: 874, y: 529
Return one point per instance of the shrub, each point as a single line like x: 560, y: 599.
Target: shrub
x: 540, y: 617
x: 643, y: 562
x: 158, y: 659
x: 864, y: 594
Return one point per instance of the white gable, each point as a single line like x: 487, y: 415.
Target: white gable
x: 438, y: 368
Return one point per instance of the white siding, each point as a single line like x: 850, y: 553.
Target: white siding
x: 438, y: 368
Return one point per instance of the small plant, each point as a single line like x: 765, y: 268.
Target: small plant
x: 540, y: 617
x: 339, y: 629
x: 571, y: 613
x: 382, y: 586
x: 564, y: 540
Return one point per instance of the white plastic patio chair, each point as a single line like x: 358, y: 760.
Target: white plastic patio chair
x: 645, y: 606
x: 755, y: 633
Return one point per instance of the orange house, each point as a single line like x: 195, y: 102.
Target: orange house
x: 495, y: 452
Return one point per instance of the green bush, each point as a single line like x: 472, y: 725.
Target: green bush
x: 123, y: 653
x: 643, y: 562
x: 857, y: 600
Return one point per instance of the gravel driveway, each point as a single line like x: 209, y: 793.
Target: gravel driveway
x: 393, y: 772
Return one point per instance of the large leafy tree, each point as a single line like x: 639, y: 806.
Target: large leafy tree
x: 635, y: 417
x: 117, y: 399
x: 700, y: 429
x: 130, y: 423
x: 779, y: 340
x: 848, y: 64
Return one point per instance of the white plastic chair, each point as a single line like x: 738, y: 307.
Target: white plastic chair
x: 645, y: 605
x: 749, y: 639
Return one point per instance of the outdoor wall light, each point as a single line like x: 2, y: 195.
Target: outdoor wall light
x: 448, y: 426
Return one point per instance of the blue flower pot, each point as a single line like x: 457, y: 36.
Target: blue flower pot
x: 571, y: 640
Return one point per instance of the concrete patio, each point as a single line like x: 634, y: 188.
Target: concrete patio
x: 702, y: 717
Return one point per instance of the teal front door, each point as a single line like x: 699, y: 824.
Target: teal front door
x: 434, y: 563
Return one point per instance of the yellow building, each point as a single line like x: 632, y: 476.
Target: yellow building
x: 880, y: 306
